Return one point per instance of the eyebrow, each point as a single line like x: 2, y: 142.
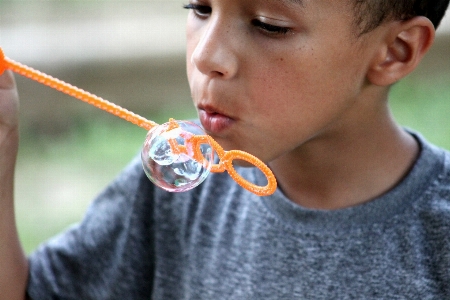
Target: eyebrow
x: 297, y: 2
x: 288, y: 3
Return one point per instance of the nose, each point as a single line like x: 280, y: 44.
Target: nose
x: 214, y: 55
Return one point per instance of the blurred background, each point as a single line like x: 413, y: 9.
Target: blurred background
x: 132, y: 54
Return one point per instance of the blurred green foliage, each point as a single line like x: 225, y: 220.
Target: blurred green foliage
x: 424, y: 106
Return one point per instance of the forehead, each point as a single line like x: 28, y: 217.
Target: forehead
x: 342, y: 5
x: 297, y: 2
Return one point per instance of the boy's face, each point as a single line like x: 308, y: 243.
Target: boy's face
x: 267, y: 76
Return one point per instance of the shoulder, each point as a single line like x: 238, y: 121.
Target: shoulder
x: 432, y: 210
x: 439, y: 190
x: 437, y: 197
x: 434, y: 216
x: 435, y: 164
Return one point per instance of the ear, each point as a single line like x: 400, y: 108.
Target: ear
x: 403, y: 47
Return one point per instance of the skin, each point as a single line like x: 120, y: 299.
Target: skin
x: 311, y: 102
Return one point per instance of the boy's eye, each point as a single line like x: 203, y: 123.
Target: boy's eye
x: 271, y: 29
x: 201, y: 11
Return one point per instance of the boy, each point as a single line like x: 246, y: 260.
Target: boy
x: 363, y: 206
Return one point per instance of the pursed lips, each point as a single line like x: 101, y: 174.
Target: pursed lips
x: 214, y: 121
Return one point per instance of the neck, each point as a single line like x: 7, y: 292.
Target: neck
x: 341, y: 170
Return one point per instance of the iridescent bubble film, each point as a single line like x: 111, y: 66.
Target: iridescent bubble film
x: 168, y: 156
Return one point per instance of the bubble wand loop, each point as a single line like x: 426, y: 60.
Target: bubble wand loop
x: 185, y: 152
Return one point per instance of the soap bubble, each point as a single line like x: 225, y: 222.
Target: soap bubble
x: 168, y: 156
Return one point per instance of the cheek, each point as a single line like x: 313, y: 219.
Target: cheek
x: 298, y: 96
x: 190, y: 68
x: 189, y: 50
x: 281, y: 84
x: 191, y: 44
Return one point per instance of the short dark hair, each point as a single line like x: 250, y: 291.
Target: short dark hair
x: 372, y: 13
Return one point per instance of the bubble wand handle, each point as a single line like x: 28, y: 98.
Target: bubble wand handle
x: 226, y: 157
x: 7, y: 63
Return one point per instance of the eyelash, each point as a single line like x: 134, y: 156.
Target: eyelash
x: 202, y: 11
x: 269, y: 28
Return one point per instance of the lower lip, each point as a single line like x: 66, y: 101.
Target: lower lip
x: 213, y: 122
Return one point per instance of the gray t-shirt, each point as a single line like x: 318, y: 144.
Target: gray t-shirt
x: 219, y: 241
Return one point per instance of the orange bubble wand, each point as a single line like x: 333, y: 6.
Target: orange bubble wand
x: 225, y: 157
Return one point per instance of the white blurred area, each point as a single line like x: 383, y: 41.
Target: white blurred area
x: 43, y: 32
x: 46, y: 32
x: 129, y: 52
x: 444, y: 28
